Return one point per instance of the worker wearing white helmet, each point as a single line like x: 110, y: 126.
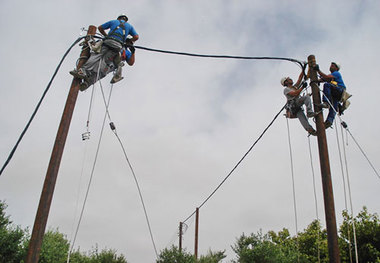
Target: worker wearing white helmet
x: 295, y: 102
x: 332, y: 90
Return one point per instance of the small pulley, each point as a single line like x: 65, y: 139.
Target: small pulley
x: 85, y: 136
x: 112, y: 125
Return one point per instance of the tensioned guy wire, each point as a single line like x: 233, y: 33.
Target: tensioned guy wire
x: 238, y: 163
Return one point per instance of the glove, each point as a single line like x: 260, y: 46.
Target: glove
x: 132, y: 49
x: 316, y: 67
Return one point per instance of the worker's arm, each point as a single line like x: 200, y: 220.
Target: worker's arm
x: 299, y: 79
x: 131, y: 60
x: 101, y: 30
x: 325, y: 77
x: 135, y: 38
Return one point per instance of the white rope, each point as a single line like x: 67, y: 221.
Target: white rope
x: 344, y: 189
x: 93, y: 167
x: 350, y: 198
x: 90, y: 181
x: 293, y: 185
x: 113, y: 128
x: 315, y: 198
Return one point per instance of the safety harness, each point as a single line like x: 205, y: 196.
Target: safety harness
x: 113, y: 33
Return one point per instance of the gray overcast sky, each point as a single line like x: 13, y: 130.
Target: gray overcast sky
x: 185, y: 121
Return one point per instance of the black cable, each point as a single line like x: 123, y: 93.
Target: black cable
x: 238, y: 163
x: 38, y: 105
x: 220, y: 56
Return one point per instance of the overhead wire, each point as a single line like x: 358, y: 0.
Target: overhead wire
x: 220, y: 56
x: 237, y: 164
x: 38, y: 105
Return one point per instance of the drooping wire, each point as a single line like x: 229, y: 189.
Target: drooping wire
x: 315, y: 198
x: 220, y: 56
x: 90, y: 180
x: 293, y: 187
x: 344, y: 189
x: 38, y: 105
x: 350, y: 198
x: 237, y: 164
x: 113, y: 128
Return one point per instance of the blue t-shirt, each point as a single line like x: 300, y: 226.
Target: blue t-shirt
x: 118, y: 33
x: 338, y: 78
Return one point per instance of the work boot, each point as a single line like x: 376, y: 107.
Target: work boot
x: 324, y: 105
x: 79, y: 73
x: 116, y: 79
x: 342, y: 107
x: 311, y: 131
x: 83, y: 86
x: 345, y: 96
x: 311, y: 114
x: 328, y: 124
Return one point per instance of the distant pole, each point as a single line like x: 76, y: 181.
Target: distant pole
x: 332, y: 235
x: 55, y: 161
x: 196, y: 233
x: 180, y: 236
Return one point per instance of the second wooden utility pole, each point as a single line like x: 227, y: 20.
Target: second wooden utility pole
x: 332, y: 235
x: 55, y: 161
x: 196, y: 233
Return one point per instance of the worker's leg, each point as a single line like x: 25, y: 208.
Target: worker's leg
x: 303, y: 120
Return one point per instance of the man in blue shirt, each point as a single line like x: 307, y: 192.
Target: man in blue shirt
x: 109, y: 58
x: 333, y: 90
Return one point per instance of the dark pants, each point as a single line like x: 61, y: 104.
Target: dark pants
x: 332, y: 94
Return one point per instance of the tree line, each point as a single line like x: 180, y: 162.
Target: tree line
x: 309, y: 245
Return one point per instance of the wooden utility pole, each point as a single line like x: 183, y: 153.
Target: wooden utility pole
x: 55, y: 161
x: 180, y: 236
x: 332, y: 235
x: 196, y: 233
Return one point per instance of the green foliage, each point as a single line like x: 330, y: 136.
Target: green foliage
x: 174, y: 255
x: 12, y: 239
x: 212, y: 257
x: 367, y: 228
x: 312, y: 243
x: 267, y: 248
x: 54, y: 247
x: 105, y: 256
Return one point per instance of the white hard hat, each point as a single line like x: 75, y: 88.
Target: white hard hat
x: 337, y: 64
x: 283, y: 80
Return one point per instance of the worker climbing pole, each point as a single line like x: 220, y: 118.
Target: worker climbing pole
x: 55, y: 160
x: 332, y: 235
